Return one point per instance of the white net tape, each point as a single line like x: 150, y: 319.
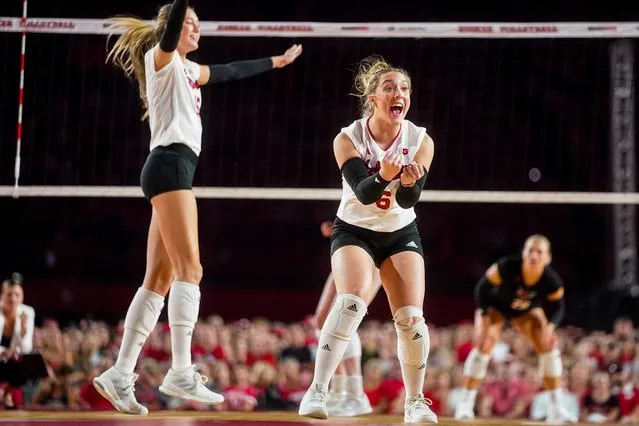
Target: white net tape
x: 328, y: 194
x: 353, y: 29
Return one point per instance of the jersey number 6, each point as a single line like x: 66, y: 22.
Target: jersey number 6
x: 384, y: 201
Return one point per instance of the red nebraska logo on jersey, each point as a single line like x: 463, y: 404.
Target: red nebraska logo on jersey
x: 195, y: 86
x: 372, y: 170
x: 192, y: 82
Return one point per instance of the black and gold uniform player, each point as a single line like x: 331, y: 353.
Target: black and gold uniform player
x: 514, y: 289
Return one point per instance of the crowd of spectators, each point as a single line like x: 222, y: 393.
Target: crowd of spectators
x: 263, y: 365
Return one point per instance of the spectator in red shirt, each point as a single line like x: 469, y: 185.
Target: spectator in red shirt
x: 291, y: 387
x: 204, y: 341
x: 629, y: 401
x: 508, y: 395
x: 241, y: 395
x: 93, y: 400
x: 259, y: 349
x: 392, y: 388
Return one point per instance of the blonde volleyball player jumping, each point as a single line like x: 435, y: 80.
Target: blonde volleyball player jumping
x: 170, y: 90
x: 384, y: 159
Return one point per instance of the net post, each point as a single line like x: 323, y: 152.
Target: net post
x: 623, y: 163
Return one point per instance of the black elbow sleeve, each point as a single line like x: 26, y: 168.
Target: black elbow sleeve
x: 367, y: 189
x: 171, y: 34
x: 407, y: 197
x: 239, y: 70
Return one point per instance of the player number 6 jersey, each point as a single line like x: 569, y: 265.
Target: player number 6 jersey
x: 385, y: 215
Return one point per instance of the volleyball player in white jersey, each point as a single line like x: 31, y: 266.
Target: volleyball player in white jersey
x: 170, y: 90
x: 346, y: 396
x: 384, y: 160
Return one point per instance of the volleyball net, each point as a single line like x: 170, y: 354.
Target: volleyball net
x: 533, y: 127
x: 518, y: 112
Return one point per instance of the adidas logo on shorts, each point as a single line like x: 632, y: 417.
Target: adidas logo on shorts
x: 412, y: 244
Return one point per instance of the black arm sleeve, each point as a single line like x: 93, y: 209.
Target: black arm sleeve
x: 367, y: 189
x: 171, y: 35
x: 239, y: 70
x: 408, y: 196
x: 482, y: 292
x: 556, y: 311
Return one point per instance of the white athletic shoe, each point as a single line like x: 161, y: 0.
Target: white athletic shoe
x: 465, y: 411
x: 416, y: 410
x: 352, y: 406
x: 189, y: 384
x: 314, y: 404
x: 558, y: 415
x: 334, y: 402
x: 119, y: 390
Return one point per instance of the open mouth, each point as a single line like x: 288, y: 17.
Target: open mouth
x: 396, y: 109
x: 194, y: 38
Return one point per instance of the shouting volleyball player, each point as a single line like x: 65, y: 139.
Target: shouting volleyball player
x: 170, y: 90
x: 346, y: 396
x: 384, y: 160
x: 513, y: 289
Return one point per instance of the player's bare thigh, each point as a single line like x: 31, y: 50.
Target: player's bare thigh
x: 403, y: 276
x: 353, y: 270
x: 488, y: 329
x: 534, y: 326
x: 369, y: 293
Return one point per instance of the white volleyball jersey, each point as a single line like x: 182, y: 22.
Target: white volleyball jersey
x: 174, y: 100
x: 385, y: 215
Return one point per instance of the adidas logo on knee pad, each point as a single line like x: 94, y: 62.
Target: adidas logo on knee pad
x: 326, y: 347
x: 353, y: 308
x: 417, y: 336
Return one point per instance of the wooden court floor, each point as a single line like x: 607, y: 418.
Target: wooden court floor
x: 182, y: 418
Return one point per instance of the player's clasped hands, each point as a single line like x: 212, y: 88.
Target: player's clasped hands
x: 411, y: 174
x: 391, y: 165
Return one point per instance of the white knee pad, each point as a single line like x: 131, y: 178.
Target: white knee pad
x: 551, y: 363
x: 345, y: 316
x: 184, y: 304
x: 354, y: 348
x: 413, y: 341
x: 476, y: 364
x: 144, y: 311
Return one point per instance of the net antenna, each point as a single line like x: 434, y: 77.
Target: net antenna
x: 23, y: 49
